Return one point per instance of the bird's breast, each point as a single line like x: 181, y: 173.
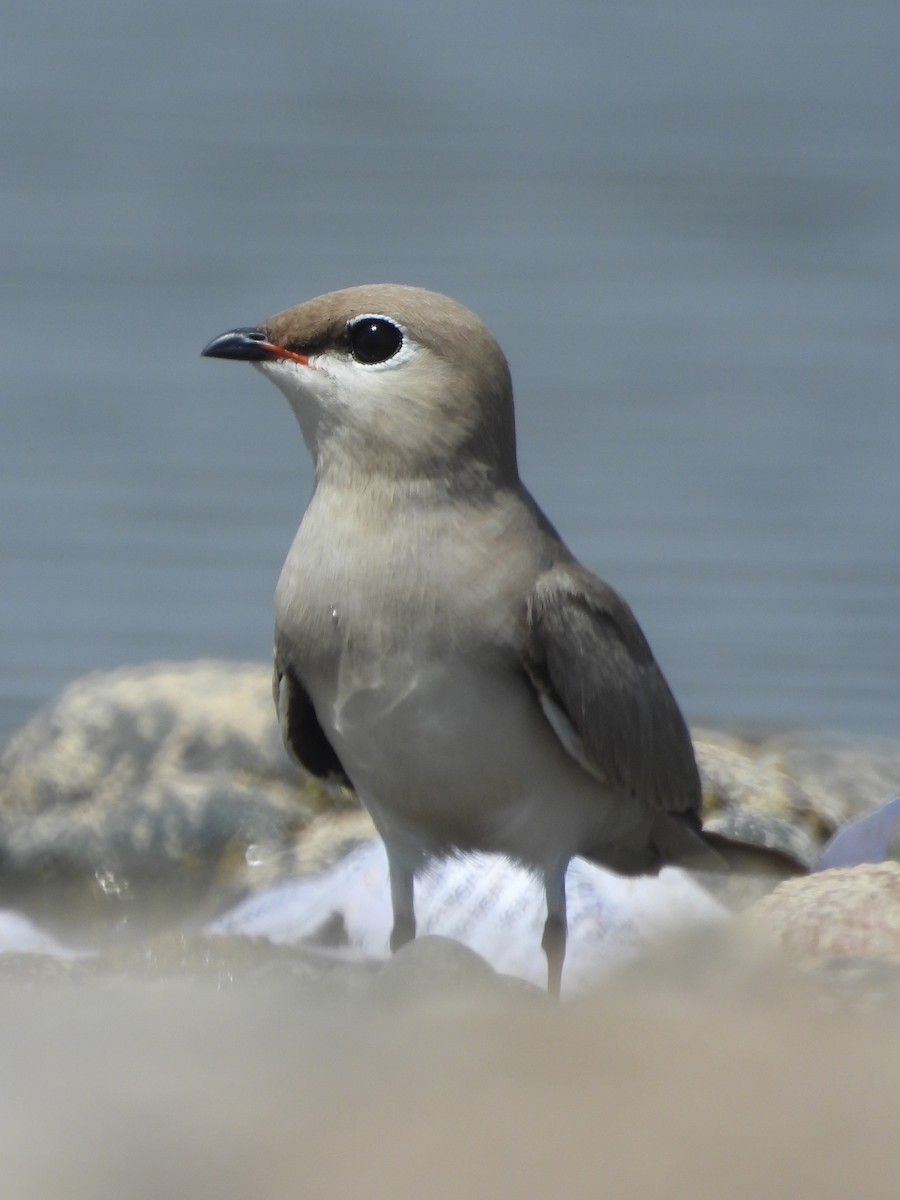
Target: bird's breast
x: 367, y: 579
x: 406, y: 635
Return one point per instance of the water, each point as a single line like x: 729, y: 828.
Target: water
x: 682, y: 222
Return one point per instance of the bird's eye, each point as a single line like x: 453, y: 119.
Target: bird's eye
x: 374, y: 339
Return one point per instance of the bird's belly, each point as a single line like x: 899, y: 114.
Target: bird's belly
x: 459, y: 756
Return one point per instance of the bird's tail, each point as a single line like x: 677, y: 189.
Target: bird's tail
x: 750, y: 858
x: 677, y: 839
x: 681, y: 840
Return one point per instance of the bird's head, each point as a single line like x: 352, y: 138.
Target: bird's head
x: 388, y: 379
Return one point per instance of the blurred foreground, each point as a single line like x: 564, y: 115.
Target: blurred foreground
x: 704, y: 1071
x: 186, y: 1058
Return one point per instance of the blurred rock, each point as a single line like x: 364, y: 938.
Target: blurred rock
x: 151, y: 791
x: 751, y: 799
x: 440, y: 971
x: 796, y: 789
x: 486, y: 902
x: 429, y: 972
x: 150, y: 795
x: 845, y: 913
x: 843, y: 778
x: 865, y: 986
x: 711, y: 1083
x: 872, y: 838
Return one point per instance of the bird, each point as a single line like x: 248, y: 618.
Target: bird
x: 438, y: 647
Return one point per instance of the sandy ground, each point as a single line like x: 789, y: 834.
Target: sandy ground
x: 701, y: 1073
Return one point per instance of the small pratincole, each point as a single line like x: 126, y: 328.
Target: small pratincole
x: 437, y: 646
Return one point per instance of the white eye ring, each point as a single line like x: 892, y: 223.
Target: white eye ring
x: 378, y: 342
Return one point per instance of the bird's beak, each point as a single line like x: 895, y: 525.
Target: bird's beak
x: 249, y: 345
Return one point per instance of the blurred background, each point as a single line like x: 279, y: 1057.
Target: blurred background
x: 681, y: 221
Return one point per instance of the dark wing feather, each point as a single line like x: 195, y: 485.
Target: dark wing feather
x: 300, y: 728
x: 604, y: 693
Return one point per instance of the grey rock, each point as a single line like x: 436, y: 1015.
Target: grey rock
x: 149, y: 795
x: 842, y: 778
x: 155, y: 790
x: 792, y: 792
x: 435, y: 969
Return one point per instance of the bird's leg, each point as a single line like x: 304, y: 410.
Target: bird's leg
x: 553, y: 943
x: 402, y: 901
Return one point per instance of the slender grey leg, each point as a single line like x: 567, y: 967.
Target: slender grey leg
x: 402, y: 901
x: 553, y: 943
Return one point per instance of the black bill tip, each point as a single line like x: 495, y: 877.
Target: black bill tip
x: 244, y: 345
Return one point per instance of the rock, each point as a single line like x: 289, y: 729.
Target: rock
x: 792, y: 791
x: 845, y: 913
x: 484, y: 902
x: 150, y: 795
x: 149, y: 791
x: 872, y: 838
x: 745, y: 796
x: 866, y: 986
x: 20, y: 936
x: 438, y: 970
x: 842, y: 778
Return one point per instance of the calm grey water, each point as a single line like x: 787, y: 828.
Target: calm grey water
x: 682, y: 222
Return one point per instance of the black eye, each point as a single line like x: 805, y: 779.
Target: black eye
x: 374, y: 339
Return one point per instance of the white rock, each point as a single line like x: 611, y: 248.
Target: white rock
x: 19, y: 935
x: 489, y: 904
